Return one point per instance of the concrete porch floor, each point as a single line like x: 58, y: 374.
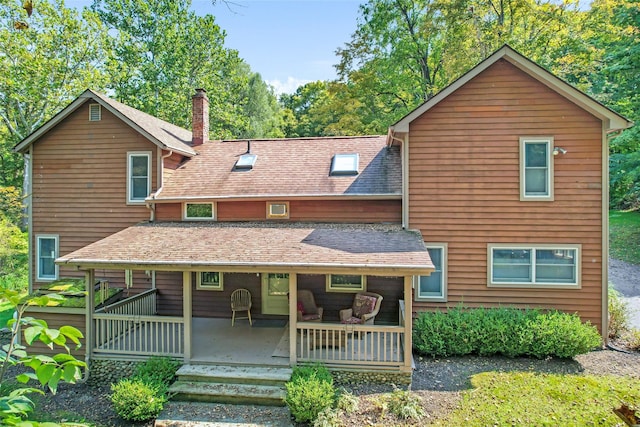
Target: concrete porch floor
x: 215, y: 341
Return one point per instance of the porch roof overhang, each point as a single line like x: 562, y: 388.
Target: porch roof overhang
x: 375, y: 249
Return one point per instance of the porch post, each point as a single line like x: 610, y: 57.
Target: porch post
x: 186, y: 314
x: 293, y: 317
x: 89, y: 280
x: 408, y: 323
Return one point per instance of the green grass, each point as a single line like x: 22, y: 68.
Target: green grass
x: 6, y: 312
x: 624, y: 235
x: 543, y: 400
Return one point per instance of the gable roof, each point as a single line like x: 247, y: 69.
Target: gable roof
x: 613, y: 121
x: 294, y: 167
x: 164, y: 134
x: 261, y: 246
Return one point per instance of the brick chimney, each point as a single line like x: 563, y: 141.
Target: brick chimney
x: 200, y: 122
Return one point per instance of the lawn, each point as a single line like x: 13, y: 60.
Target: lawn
x: 6, y: 312
x: 543, y: 400
x: 624, y: 236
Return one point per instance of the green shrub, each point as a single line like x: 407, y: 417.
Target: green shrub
x: 328, y: 417
x: 347, y: 401
x: 134, y: 400
x: 618, y: 314
x: 632, y: 339
x: 507, y: 331
x: 158, y: 371
x: 309, y: 392
x: 405, y: 405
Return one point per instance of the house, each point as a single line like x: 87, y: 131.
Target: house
x: 494, y: 192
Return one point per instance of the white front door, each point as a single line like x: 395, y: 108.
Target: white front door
x: 275, y: 287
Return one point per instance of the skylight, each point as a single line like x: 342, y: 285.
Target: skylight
x: 246, y: 162
x: 345, y: 164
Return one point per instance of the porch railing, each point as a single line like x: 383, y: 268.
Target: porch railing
x: 141, y: 304
x: 373, y: 345
x: 130, y: 327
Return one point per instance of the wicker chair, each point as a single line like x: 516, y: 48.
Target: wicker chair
x: 364, y: 309
x: 241, y: 301
x: 307, y: 309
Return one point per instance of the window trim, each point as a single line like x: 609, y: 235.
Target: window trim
x: 342, y: 171
x: 443, y: 285
x: 95, y: 107
x: 56, y: 238
x: 185, y: 217
x: 331, y: 287
x: 549, y: 141
x: 533, y: 284
x: 130, y: 155
x: 270, y: 215
x: 205, y: 287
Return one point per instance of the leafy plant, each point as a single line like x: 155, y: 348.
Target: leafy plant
x: 328, y: 417
x: 15, y: 405
x: 618, y: 313
x: 309, y: 392
x: 157, y: 371
x: 347, y: 401
x: 405, y: 405
x: 508, y: 331
x: 135, y: 400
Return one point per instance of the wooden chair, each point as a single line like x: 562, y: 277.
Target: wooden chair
x: 364, y: 309
x: 241, y: 301
x: 307, y: 309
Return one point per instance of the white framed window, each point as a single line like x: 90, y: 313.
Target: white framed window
x: 278, y: 210
x: 209, y: 280
x: 138, y: 176
x: 47, y: 252
x: 346, y: 283
x: 434, y: 286
x: 540, y: 266
x: 536, y: 169
x: 198, y: 211
x: 95, y: 113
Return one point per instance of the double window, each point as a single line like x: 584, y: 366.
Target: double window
x: 536, y: 169
x: 526, y: 266
x: 209, y: 280
x: 199, y: 211
x: 138, y: 176
x: 434, y: 286
x: 47, y: 252
x: 346, y: 283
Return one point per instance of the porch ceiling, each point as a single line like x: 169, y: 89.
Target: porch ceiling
x: 285, y: 247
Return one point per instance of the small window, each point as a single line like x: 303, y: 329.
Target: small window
x: 345, y: 164
x: 199, y: 211
x: 434, y: 286
x: 246, y: 162
x: 209, y: 280
x: 138, y: 177
x: 95, y: 113
x: 346, y: 283
x: 278, y: 210
x: 536, y: 169
x: 541, y: 266
x: 47, y: 247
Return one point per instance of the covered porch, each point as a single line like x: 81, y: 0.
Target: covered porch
x: 136, y: 327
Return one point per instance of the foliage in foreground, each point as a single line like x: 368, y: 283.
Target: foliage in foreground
x: 507, y: 331
x: 543, y: 399
x: 142, y: 397
x: 618, y: 313
x: 49, y: 371
x: 310, y: 392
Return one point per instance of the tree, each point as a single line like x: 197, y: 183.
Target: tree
x: 262, y: 110
x: 163, y: 51
x: 42, y: 68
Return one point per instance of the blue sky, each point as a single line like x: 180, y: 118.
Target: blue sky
x: 289, y: 42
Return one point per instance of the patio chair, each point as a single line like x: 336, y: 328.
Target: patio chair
x: 364, y: 309
x: 241, y: 301
x: 307, y: 309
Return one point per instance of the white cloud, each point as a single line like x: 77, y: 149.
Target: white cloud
x: 289, y: 86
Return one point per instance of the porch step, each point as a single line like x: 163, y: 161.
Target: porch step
x: 231, y: 384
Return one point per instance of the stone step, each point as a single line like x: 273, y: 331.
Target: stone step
x: 257, y: 375
x: 198, y: 391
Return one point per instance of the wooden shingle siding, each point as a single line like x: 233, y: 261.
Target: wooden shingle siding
x: 79, y: 181
x: 344, y: 211
x: 55, y: 320
x: 464, y: 187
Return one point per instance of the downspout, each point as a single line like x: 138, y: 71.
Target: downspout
x: 28, y: 192
x: 151, y: 205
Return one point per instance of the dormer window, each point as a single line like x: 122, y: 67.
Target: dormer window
x: 95, y: 114
x: 246, y: 162
x: 345, y: 164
